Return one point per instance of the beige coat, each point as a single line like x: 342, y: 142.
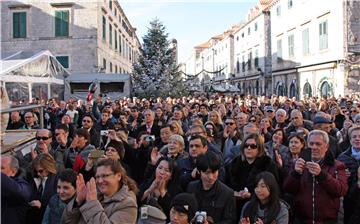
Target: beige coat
x: 121, y: 208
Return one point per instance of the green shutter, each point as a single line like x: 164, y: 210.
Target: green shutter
x: 16, y: 26
x: 65, y: 23
x: 19, y: 24
x: 61, y: 23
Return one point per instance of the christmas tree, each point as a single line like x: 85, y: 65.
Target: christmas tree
x: 156, y: 73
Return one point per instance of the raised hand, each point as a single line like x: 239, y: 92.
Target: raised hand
x: 300, y: 165
x: 91, y: 194
x: 244, y: 221
x: 278, y: 158
x: 34, y: 154
x: 80, y: 189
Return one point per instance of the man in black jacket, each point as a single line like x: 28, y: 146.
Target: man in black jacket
x: 213, y: 197
x: 15, y: 191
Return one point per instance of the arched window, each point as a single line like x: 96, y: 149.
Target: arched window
x: 307, y: 90
x: 325, y: 89
x: 257, y: 87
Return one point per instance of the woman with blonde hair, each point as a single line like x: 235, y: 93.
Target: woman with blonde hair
x: 215, y: 117
x: 43, y: 185
x: 176, y: 128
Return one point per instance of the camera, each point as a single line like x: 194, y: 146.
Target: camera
x: 149, y: 138
x: 200, y: 217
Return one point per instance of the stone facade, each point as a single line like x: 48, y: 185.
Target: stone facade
x: 84, y: 46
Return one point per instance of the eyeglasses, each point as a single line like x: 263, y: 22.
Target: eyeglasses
x: 42, y: 138
x: 103, y: 176
x: 229, y: 123
x: 269, y: 111
x: 252, y: 146
x: 86, y: 121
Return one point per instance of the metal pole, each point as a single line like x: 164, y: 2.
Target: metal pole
x: 29, y: 107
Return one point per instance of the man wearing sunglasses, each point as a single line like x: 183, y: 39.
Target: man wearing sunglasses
x: 43, y: 145
x: 231, y: 137
x: 88, y: 123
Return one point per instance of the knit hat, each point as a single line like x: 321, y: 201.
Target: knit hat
x: 119, y: 146
x: 185, y: 203
x: 151, y: 215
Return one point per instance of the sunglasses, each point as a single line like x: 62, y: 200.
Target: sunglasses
x: 269, y: 111
x: 229, y: 123
x: 39, y: 171
x: 252, y: 120
x: 86, y: 121
x: 42, y: 138
x: 252, y: 146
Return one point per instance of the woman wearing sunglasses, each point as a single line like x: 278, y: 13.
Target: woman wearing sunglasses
x: 115, y: 202
x: 242, y: 171
x: 43, y: 184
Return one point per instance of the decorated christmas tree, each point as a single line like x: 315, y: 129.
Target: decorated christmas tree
x: 156, y: 73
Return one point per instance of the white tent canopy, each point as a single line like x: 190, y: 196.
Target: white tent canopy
x: 28, y: 74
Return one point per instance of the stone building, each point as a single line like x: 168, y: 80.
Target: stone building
x: 87, y: 37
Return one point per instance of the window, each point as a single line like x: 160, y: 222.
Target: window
x: 237, y: 38
x: 249, y: 60
x: 120, y: 44
x: 62, y: 23
x: 323, y: 35
x: 290, y: 4
x: 116, y: 71
x: 110, y: 35
x: 279, y: 49
x: 116, y: 42
x: 19, y: 25
x: 242, y: 35
x: 256, y: 26
x: 278, y: 11
x: 249, y: 30
x: 111, y: 68
x: 110, y: 4
x: 115, y: 12
x: 104, y: 64
x: 256, y: 60
x: 237, y: 66
x: 243, y: 63
x: 291, y: 45
x: 104, y: 28
x: 305, y: 40
x: 64, y: 61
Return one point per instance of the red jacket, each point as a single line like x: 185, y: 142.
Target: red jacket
x: 330, y: 185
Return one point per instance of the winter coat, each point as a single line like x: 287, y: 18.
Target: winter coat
x: 54, y: 210
x: 330, y: 185
x: 269, y: 149
x: 120, y: 208
x: 352, y: 165
x: 15, y: 194
x: 241, y: 174
x: 218, y: 202
x: 35, y: 215
x: 281, y: 218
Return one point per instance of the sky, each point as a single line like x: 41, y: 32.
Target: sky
x: 190, y: 22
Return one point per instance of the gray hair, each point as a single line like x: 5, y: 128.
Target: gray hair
x: 179, y: 139
x: 323, y: 134
x: 14, y: 163
x: 279, y: 111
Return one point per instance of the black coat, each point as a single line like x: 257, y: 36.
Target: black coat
x: 241, y: 174
x: 35, y: 215
x: 218, y: 202
x: 15, y: 193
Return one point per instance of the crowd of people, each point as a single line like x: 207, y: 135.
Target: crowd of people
x: 216, y: 159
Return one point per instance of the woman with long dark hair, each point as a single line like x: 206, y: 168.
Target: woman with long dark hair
x: 241, y: 172
x: 265, y: 206
x: 162, y: 186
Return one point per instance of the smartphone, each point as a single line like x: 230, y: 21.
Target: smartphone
x: 96, y: 154
x: 104, y: 132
